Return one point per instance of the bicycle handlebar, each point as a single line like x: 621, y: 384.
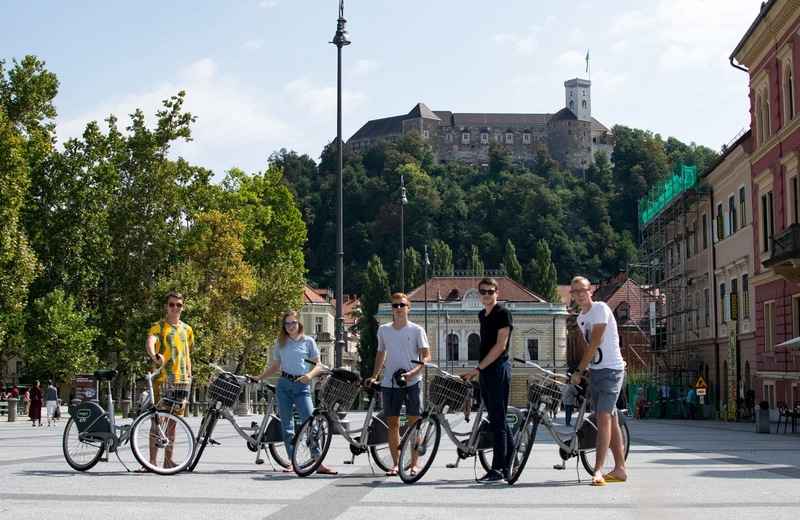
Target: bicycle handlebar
x: 532, y: 364
x: 240, y: 379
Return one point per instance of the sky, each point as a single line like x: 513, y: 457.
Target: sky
x: 260, y: 75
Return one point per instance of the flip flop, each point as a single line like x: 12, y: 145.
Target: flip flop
x: 414, y: 472
x: 612, y: 478
x: 141, y: 470
x: 391, y: 473
x: 288, y: 470
x: 598, y: 482
x: 327, y: 471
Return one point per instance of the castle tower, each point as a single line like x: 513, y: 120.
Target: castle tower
x: 579, y: 98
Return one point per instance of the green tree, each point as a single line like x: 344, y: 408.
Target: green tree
x: 543, y: 277
x: 375, y: 291
x: 474, y: 263
x: 62, y: 343
x: 413, y: 268
x: 510, y: 263
x: 441, y: 257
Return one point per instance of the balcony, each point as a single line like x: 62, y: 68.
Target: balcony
x: 785, y: 259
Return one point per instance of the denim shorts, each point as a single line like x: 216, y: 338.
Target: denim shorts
x: 394, y: 399
x: 604, y: 387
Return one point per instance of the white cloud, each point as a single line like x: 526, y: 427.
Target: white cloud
x: 609, y: 83
x: 255, y: 44
x: 268, y: 3
x: 525, y: 82
x: 200, y: 71
x: 620, y: 46
x: 677, y: 58
x: 630, y: 22
x: 571, y: 59
x: 502, y: 38
x: 550, y: 19
x: 524, y: 45
x: 527, y: 45
x: 321, y: 101
x: 364, y: 66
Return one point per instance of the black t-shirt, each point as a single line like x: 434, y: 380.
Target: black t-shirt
x: 497, y: 319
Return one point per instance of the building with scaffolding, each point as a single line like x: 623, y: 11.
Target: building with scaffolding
x: 697, y: 235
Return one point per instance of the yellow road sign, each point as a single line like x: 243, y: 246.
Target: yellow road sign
x: 700, y: 383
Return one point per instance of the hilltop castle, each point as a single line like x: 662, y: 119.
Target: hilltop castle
x: 572, y: 135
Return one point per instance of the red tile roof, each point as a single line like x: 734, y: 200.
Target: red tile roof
x: 454, y: 288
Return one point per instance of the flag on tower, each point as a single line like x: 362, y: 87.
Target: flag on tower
x: 587, y: 59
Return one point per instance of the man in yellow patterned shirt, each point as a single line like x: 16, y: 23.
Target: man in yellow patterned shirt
x: 169, y: 343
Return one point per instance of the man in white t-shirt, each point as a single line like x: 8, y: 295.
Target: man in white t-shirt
x: 398, y: 343
x: 606, y: 373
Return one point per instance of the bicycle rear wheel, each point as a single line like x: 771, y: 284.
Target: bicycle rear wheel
x: 422, y: 441
x: 162, y: 442
x: 81, y: 454
x: 311, y: 444
x: 523, y: 443
x: 204, y: 434
x: 589, y: 457
x: 279, y: 454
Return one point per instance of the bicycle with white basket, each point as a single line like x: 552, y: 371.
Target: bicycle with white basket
x: 314, y: 437
x: 265, y: 435
x: 545, y: 392
x: 447, y: 393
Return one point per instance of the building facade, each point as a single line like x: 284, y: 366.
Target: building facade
x: 571, y: 134
x: 768, y: 53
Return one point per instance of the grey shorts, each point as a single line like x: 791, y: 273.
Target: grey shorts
x: 604, y: 387
x: 395, y: 398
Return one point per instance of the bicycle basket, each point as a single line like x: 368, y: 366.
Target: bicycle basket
x: 337, y: 394
x: 449, y: 391
x: 543, y: 388
x: 225, y: 389
x: 175, y: 395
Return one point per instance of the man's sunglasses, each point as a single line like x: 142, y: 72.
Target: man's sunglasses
x: 289, y: 324
x: 398, y: 305
x: 173, y: 304
x: 486, y: 291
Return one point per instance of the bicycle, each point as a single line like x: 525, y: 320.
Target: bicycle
x: 745, y: 411
x: 316, y: 432
x: 447, y: 393
x: 161, y: 441
x: 545, y: 392
x: 265, y: 435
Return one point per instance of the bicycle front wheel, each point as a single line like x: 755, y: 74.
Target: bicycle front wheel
x: 589, y: 457
x: 523, y: 443
x: 311, y: 444
x: 419, y: 444
x: 81, y: 454
x: 204, y: 435
x: 162, y: 442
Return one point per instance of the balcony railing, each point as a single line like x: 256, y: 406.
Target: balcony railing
x: 785, y: 258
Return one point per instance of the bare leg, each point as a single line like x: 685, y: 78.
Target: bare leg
x: 394, y: 439
x: 618, y: 450
x: 603, y: 441
x: 414, y: 455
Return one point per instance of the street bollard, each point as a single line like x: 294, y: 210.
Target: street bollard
x: 12, y: 409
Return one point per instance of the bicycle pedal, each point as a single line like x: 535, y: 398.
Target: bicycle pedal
x: 347, y: 462
x: 254, y: 424
x: 450, y: 465
x: 212, y: 442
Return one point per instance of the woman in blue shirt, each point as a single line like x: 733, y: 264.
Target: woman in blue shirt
x: 292, y: 390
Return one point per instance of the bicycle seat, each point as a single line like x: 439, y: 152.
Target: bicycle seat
x: 105, y: 375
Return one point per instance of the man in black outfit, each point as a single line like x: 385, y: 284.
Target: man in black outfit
x: 495, y: 371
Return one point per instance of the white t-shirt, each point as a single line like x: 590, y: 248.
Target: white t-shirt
x: 608, y: 354
x: 403, y: 346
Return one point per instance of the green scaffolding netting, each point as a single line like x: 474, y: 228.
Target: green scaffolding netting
x: 680, y: 178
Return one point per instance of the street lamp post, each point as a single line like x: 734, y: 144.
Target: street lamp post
x: 340, y: 39
x: 402, y: 201
x: 425, y: 264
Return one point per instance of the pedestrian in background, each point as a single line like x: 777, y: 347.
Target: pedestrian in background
x: 569, y: 402
x: 35, y: 404
x: 51, y: 401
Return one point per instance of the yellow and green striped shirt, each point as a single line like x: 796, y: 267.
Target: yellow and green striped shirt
x: 174, y: 344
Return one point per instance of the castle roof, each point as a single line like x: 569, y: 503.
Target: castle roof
x: 421, y: 111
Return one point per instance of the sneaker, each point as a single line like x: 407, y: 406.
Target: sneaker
x: 491, y: 477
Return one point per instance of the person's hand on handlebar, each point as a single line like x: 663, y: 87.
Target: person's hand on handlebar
x: 472, y: 374
x: 368, y: 382
x: 158, y: 359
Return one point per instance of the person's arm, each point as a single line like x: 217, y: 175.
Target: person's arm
x: 597, y: 335
x: 380, y: 357
x: 316, y: 369
x: 496, y: 351
x: 425, y: 354
x: 150, y: 346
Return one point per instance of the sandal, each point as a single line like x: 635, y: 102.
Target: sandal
x: 288, y: 470
x: 391, y: 473
x: 327, y: 471
x: 141, y: 470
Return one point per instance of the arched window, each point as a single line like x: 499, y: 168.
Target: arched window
x: 583, y: 104
x: 788, y: 92
x: 474, y: 347
x: 572, y: 105
x: 452, y: 347
x: 759, y: 112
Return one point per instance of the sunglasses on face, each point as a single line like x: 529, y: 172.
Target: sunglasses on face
x: 398, y: 305
x: 290, y: 324
x: 578, y: 291
x: 173, y: 304
x: 486, y: 291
